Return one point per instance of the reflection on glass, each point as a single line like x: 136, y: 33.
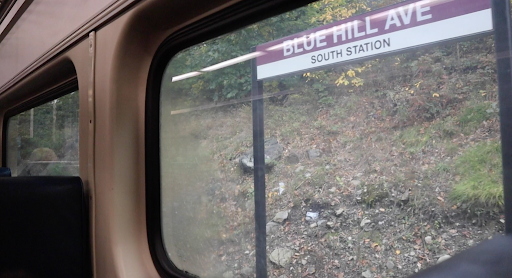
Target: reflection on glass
x: 377, y: 169
x: 43, y: 141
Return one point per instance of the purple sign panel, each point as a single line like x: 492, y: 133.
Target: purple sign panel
x: 394, y: 28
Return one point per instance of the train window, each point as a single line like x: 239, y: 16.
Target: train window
x: 43, y: 141
x: 380, y: 127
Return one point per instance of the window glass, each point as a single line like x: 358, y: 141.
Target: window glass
x: 43, y: 141
x: 379, y: 167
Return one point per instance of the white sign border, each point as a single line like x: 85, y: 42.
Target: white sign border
x: 452, y: 28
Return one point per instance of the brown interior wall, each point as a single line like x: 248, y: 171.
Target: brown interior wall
x: 112, y: 164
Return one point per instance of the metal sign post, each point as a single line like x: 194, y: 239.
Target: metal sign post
x: 258, y: 137
x: 503, y: 43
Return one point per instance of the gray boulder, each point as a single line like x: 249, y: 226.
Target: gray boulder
x: 281, y: 256
x: 272, y: 228
x: 273, y: 152
x: 280, y: 216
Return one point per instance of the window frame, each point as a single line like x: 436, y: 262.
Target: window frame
x: 60, y: 90
x: 228, y: 20
x: 245, y: 13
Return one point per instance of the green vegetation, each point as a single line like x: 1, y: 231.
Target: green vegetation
x: 235, y: 82
x: 414, y: 139
x: 374, y: 193
x: 480, y: 173
x: 472, y: 116
x: 52, y: 125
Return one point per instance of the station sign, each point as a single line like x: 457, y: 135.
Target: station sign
x: 392, y: 29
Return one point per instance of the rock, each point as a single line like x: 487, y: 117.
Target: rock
x: 304, y: 262
x: 273, y: 152
x: 313, y: 154
x: 365, y: 221
x: 280, y: 216
x: 339, y: 212
x: 292, y: 159
x: 281, y: 256
x: 390, y: 265
x: 247, y: 163
x: 443, y: 258
x: 246, y: 272
x: 332, y: 190
x: 300, y: 168
x: 367, y: 274
x: 405, y: 197
x: 428, y: 240
x: 272, y: 227
x: 228, y: 274
x: 311, y: 216
x: 310, y: 270
x: 322, y: 223
x: 314, y: 225
x: 330, y: 224
x: 355, y: 182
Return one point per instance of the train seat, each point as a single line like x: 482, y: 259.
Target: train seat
x: 5, y: 172
x: 44, y: 230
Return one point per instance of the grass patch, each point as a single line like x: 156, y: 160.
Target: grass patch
x: 445, y: 128
x: 414, y: 139
x: 472, y: 116
x: 451, y: 149
x: 285, y: 122
x: 480, y: 172
x: 443, y: 167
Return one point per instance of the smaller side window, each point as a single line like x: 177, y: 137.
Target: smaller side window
x: 43, y: 141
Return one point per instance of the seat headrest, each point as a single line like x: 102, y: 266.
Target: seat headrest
x: 44, y: 227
